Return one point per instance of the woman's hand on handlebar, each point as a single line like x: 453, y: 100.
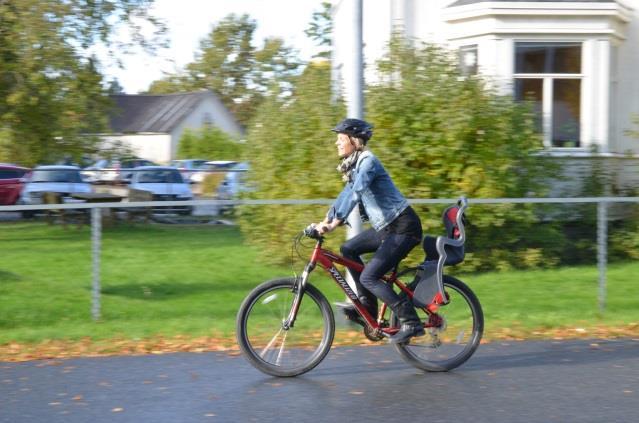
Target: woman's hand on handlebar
x: 325, y: 226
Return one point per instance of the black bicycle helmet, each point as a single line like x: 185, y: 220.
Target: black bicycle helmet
x: 355, y: 128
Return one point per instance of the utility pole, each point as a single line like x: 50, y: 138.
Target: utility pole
x: 356, y: 105
x: 356, y: 93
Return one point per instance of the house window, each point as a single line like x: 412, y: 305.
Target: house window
x: 468, y: 60
x: 549, y: 75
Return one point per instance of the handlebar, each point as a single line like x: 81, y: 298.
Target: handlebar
x: 311, y: 232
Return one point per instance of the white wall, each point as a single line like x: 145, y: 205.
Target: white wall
x: 627, y: 88
x: 219, y: 117
x: 154, y: 147
x: 419, y: 19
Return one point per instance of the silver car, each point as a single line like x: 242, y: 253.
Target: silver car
x: 188, y: 167
x: 64, y: 180
x: 113, y: 171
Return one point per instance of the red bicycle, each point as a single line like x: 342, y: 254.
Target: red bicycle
x: 285, y: 327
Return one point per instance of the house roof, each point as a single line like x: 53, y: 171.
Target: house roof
x: 153, y: 113
x: 465, y: 2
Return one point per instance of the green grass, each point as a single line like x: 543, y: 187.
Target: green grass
x: 156, y: 279
x: 556, y: 298
x: 173, y: 280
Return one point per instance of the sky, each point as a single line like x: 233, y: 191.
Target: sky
x: 189, y: 21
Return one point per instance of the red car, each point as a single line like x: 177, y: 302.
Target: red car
x: 11, y: 183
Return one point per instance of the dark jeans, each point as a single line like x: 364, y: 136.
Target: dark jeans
x: 390, y: 246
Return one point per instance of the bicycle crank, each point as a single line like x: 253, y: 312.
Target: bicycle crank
x: 373, y: 334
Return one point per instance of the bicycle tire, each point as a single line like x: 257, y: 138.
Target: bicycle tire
x: 315, y: 324
x: 437, y: 351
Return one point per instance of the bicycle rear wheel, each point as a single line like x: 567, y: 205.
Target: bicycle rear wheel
x: 268, y: 345
x: 456, y: 335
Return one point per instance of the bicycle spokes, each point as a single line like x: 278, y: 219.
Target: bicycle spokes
x: 452, y: 334
x: 272, y: 353
x: 285, y: 333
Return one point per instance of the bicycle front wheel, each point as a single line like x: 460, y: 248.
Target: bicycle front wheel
x: 457, y: 330
x: 280, y: 351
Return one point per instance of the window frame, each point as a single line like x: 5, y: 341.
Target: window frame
x: 548, y: 93
x: 464, y: 69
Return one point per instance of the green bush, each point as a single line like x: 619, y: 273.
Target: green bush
x: 439, y: 135
x: 209, y: 143
x: 442, y: 135
x: 292, y: 156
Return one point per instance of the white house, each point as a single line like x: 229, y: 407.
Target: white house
x: 151, y: 125
x: 579, y: 61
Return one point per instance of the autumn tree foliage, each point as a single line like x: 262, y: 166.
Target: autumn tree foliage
x: 229, y: 64
x: 51, y: 90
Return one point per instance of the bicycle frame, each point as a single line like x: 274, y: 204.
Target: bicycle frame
x: 327, y: 260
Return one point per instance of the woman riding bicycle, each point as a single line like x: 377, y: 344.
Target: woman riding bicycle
x: 396, y: 228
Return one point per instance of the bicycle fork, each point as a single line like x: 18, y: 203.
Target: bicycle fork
x: 298, y: 289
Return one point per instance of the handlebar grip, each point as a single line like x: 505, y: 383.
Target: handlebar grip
x: 311, y: 232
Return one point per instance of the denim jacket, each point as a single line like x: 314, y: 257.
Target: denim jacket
x: 373, y: 186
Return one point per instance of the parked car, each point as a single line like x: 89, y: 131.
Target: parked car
x: 65, y: 180
x: 210, y: 167
x: 234, y: 182
x: 114, y: 170
x: 166, y: 184
x: 11, y: 182
x: 188, y: 167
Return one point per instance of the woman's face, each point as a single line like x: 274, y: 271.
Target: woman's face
x: 344, y: 145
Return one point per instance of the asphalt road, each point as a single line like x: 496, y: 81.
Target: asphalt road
x: 568, y: 381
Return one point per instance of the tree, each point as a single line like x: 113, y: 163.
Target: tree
x: 51, y: 90
x: 114, y: 87
x: 438, y: 134
x: 229, y: 65
x: 290, y: 144
x: 209, y: 143
x: 320, y: 29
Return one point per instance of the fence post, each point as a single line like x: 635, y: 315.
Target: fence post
x: 96, y: 233
x: 602, y: 251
